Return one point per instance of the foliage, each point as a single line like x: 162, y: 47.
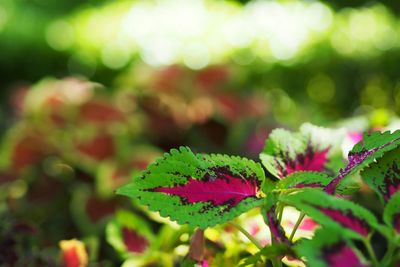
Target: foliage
x: 207, y: 190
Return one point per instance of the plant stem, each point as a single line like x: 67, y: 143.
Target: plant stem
x: 280, y: 211
x: 371, y: 252
x: 358, y: 252
x: 296, y: 226
x: 389, y: 252
x: 247, y: 234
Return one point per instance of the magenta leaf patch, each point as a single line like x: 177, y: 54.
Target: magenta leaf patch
x: 198, y: 189
x: 226, y: 189
x: 312, y: 159
x: 312, y: 149
x: 342, y: 215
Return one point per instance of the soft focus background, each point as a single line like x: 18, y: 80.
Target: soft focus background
x: 92, y: 91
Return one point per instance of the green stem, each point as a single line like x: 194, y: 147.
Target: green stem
x: 358, y: 251
x: 389, y: 253
x: 296, y: 226
x: 247, y: 234
x: 371, y: 252
x: 280, y: 211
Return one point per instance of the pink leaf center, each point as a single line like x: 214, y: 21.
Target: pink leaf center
x: 225, y: 189
x: 312, y: 161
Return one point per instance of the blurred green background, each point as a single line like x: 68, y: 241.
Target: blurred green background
x: 92, y: 91
x: 334, y: 57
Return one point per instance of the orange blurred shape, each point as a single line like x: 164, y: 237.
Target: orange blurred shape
x: 98, y: 148
x: 18, y: 99
x: 212, y: 77
x: 28, y: 151
x: 100, y: 112
x: 97, y: 209
x: 73, y: 253
x: 168, y: 79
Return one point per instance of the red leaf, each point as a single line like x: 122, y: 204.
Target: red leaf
x: 134, y: 241
x: 101, y: 112
x: 99, y: 148
x: 97, y: 209
x: 221, y: 190
x: 29, y: 150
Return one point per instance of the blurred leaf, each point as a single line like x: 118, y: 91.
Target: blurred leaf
x: 327, y: 249
x: 270, y: 252
x: 129, y: 234
x: 342, y: 215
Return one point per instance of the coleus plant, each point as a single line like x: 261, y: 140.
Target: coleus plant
x: 303, y: 170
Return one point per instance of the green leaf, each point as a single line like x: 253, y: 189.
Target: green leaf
x: 327, y: 248
x: 372, y: 147
x: 303, y: 179
x: 339, y: 214
x: 269, y: 252
x: 312, y: 149
x: 188, y: 262
x: 383, y: 176
x: 391, y: 214
x: 198, y: 189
